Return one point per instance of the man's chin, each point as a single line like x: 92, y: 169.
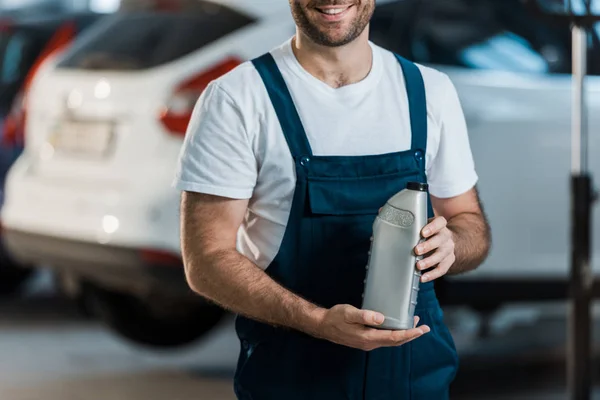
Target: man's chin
x: 333, y: 40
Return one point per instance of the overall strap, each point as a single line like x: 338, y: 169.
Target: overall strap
x: 417, y: 103
x: 285, y: 109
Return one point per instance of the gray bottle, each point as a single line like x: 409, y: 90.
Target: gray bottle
x: 393, y: 280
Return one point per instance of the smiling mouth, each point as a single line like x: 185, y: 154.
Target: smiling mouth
x: 335, y: 10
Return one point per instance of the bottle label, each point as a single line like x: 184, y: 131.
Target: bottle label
x: 397, y: 217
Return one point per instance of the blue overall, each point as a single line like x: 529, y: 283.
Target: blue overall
x: 323, y: 257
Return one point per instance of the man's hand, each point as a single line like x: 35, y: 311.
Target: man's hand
x: 345, y: 325
x: 439, y: 246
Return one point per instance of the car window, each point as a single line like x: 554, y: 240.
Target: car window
x: 141, y: 40
x: 477, y: 34
x: 503, y: 51
x: 13, y: 54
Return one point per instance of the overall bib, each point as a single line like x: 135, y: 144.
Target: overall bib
x: 323, y: 257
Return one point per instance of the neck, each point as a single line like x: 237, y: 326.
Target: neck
x: 336, y: 66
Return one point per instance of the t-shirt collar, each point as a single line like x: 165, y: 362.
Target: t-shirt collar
x: 354, y: 89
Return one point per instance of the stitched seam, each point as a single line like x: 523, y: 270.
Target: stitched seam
x: 362, y: 178
x: 365, y: 376
x: 410, y: 372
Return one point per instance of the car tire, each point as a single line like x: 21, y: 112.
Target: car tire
x: 12, y: 275
x: 140, y: 322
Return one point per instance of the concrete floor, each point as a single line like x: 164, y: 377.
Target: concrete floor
x: 50, y: 352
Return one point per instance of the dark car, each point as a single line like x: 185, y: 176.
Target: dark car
x: 24, y: 44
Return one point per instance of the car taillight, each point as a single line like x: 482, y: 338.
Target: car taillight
x: 14, y: 124
x: 176, y: 114
x: 11, y: 131
x: 5, y: 25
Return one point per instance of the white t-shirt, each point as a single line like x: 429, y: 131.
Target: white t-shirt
x: 235, y: 147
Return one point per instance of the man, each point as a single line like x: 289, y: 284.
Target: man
x: 287, y: 160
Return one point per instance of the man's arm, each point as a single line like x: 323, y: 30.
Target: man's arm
x: 458, y: 238
x: 216, y: 270
x: 470, y: 229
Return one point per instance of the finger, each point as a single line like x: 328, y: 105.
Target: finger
x: 394, y: 338
x: 402, y: 337
x: 374, y: 338
x: 429, y: 245
x: 434, y: 259
x: 353, y: 315
x: 434, y: 227
x: 441, y: 270
x: 416, y: 319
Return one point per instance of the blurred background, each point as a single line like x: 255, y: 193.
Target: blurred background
x: 95, y: 97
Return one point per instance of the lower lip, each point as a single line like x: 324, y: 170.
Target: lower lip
x: 335, y: 17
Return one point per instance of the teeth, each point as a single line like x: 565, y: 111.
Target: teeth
x: 333, y: 11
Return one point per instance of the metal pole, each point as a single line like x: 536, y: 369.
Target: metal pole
x: 579, y: 348
x: 579, y: 131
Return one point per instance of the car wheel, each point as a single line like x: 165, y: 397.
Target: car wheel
x: 152, y: 325
x: 12, y: 275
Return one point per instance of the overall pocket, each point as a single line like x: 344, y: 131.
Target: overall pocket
x: 294, y: 366
x: 355, y: 196
x: 256, y: 358
x: 261, y: 370
x: 434, y: 360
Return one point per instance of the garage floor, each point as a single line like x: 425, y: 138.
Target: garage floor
x: 50, y: 352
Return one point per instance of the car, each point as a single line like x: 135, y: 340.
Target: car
x: 91, y: 195
x: 24, y: 44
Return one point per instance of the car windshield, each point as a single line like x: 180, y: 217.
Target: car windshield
x: 493, y: 34
x: 141, y: 40
x: 478, y: 34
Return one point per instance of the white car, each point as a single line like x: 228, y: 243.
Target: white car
x: 92, y: 195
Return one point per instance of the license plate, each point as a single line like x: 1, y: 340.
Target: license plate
x: 82, y: 138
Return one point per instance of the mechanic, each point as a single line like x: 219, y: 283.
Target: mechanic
x: 286, y: 162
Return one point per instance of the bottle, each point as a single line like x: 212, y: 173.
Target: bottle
x: 393, y: 279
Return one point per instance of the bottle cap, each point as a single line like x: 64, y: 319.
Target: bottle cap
x: 418, y: 186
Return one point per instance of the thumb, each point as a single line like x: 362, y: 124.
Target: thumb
x: 363, y: 317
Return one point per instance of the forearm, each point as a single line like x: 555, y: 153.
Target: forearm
x: 235, y: 283
x: 472, y: 240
